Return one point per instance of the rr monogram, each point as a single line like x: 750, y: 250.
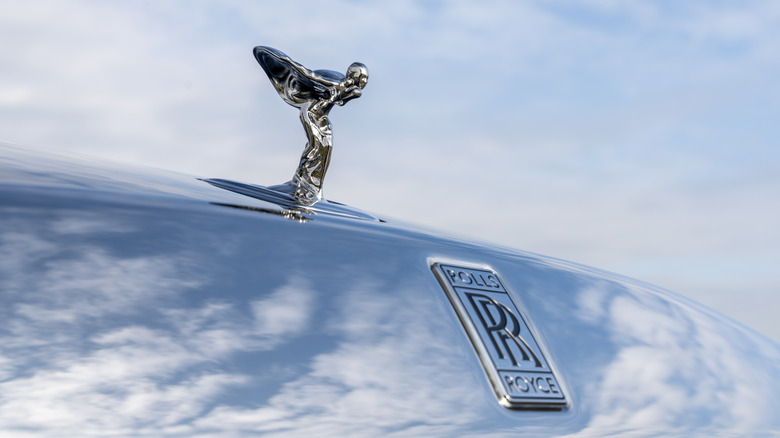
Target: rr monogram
x: 502, y: 326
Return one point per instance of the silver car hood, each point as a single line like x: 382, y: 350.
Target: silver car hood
x: 141, y: 303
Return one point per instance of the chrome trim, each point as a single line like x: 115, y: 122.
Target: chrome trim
x: 292, y: 209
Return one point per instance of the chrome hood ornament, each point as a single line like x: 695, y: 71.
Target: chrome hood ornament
x: 314, y: 92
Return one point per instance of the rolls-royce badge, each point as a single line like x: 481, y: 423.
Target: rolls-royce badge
x: 513, y: 360
x: 314, y: 92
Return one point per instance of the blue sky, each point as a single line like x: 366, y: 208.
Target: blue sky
x: 638, y: 137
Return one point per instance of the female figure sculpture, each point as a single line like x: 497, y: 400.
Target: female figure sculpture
x: 314, y: 93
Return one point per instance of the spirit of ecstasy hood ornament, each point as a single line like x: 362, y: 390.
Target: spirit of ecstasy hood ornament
x: 314, y: 92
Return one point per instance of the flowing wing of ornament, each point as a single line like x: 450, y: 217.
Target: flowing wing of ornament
x: 295, y: 83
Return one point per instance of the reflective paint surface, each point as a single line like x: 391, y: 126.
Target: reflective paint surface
x: 135, y: 314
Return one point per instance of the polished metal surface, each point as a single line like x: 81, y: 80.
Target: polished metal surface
x: 510, y: 354
x: 314, y: 92
x: 135, y: 303
x: 291, y: 206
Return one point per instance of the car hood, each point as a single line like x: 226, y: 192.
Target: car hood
x: 140, y: 302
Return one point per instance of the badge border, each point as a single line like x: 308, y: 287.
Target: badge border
x: 472, y: 333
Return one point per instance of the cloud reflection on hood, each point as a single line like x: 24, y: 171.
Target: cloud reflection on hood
x: 385, y: 376
x: 94, y: 342
x: 677, y: 369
